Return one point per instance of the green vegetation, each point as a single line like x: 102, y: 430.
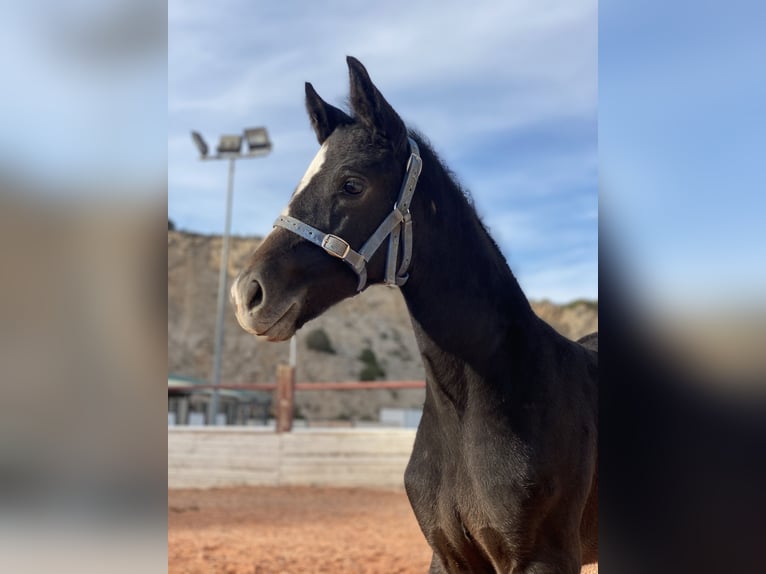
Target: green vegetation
x: 318, y: 340
x: 371, y: 369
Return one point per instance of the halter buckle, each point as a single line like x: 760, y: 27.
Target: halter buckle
x: 335, y: 246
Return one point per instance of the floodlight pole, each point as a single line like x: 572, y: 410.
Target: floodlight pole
x: 293, y: 356
x: 223, y: 275
x: 259, y: 145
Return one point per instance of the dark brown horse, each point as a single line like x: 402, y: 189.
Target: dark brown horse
x: 502, y: 476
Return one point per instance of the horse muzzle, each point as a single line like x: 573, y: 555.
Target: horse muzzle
x: 254, y: 313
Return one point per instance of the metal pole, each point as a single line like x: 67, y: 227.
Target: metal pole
x: 222, y: 280
x: 293, y: 357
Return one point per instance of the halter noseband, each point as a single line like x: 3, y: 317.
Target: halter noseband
x: 398, y: 221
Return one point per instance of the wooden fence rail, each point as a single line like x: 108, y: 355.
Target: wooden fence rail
x: 285, y: 387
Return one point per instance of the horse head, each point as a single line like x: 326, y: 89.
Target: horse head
x: 320, y: 250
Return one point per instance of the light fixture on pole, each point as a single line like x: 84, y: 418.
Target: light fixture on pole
x: 229, y: 147
x: 200, y: 143
x: 257, y: 139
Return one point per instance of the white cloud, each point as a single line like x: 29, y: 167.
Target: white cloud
x: 517, y: 62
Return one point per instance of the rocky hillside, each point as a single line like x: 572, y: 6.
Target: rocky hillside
x: 368, y: 336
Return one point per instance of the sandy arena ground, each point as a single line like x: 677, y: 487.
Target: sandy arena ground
x: 294, y: 530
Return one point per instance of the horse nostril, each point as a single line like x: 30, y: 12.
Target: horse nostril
x: 253, y: 295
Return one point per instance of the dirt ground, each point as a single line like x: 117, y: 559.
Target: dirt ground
x: 294, y: 530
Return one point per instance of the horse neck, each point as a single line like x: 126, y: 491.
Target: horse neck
x: 464, y: 302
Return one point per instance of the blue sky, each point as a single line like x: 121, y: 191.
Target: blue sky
x: 506, y: 92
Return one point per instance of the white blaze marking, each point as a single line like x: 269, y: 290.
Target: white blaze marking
x: 314, y: 167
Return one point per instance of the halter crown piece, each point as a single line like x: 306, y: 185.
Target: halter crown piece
x: 397, y: 227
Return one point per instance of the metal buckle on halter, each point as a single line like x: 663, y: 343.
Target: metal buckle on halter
x: 335, y: 246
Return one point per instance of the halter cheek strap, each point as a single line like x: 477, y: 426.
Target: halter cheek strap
x: 397, y: 226
x: 332, y: 244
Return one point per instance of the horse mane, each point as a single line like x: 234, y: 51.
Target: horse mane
x: 425, y: 142
x: 452, y: 193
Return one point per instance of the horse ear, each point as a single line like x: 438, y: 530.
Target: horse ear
x: 324, y: 117
x: 371, y: 108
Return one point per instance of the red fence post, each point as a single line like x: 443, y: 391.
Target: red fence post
x: 285, y: 397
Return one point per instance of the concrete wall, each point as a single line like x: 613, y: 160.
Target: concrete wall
x: 235, y: 456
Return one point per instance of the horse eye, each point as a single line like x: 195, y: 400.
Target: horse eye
x: 353, y: 187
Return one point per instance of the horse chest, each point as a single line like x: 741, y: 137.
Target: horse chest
x: 465, y: 494
x: 464, y: 525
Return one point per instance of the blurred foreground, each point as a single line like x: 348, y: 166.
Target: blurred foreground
x: 83, y: 355
x: 82, y: 267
